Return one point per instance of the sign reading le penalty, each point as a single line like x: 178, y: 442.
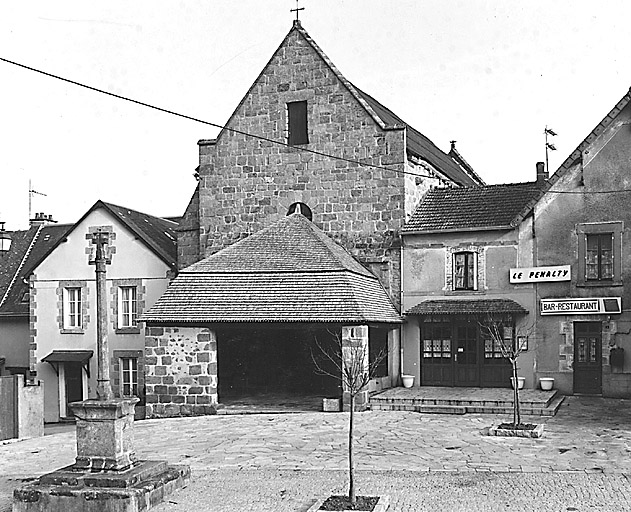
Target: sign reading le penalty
x: 593, y: 306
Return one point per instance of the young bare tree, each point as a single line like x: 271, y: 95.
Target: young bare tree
x: 500, y: 329
x: 350, y: 363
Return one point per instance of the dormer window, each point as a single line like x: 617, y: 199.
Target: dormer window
x: 297, y: 123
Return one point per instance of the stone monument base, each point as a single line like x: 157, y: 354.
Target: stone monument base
x: 75, y: 489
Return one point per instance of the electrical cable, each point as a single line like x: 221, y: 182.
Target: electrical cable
x: 215, y: 125
x: 265, y: 139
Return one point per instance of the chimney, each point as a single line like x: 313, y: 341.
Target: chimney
x: 542, y: 174
x: 42, y: 219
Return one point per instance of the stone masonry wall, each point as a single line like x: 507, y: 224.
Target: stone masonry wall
x: 188, y: 234
x: 246, y: 183
x: 180, y: 371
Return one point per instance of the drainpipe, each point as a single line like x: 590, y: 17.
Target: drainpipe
x: 401, y: 302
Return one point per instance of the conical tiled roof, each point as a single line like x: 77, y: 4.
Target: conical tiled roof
x: 293, y: 244
x: 288, y: 272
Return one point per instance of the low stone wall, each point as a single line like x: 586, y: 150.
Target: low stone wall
x: 180, y: 371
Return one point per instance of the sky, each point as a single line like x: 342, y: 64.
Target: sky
x: 489, y: 74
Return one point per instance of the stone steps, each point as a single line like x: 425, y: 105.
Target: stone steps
x: 533, y: 404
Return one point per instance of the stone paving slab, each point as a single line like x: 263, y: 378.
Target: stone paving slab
x: 587, y: 436
x: 284, y: 491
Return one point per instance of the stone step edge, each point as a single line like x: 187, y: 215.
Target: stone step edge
x: 462, y: 402
x: 550, y: 410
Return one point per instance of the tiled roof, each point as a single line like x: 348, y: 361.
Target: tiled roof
x: 466, y: 307
x: 419, y: 145
x: 157, y: 233
x: 293, y: 244
x: 288, y: 272
x: 491, y: 206
x: 27, y: 248
x: 322, y: 297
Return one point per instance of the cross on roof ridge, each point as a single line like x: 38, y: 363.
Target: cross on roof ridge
x: 297, y: 10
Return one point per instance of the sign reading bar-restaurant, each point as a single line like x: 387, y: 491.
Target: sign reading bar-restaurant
x: 540, y: 274
x: 593, y: 306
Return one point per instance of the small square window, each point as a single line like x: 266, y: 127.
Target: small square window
x: 297, y: 132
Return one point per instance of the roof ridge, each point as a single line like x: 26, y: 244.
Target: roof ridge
x: 326, y: 241
x: 138, y: 212
x: 604, y: 123
x: 355, y: 92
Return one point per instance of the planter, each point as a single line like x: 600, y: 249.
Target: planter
x: 520, y: 382
x: 381, y: 505
x: 546, y: 383
x: 527, y: 430
x: 331, y: 404
x: 408, y: 380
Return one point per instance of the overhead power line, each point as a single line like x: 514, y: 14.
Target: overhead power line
x: 216, y: 125
x: 266, y: 139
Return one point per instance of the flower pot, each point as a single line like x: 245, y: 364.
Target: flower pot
x: 546, y: 383
x: 408, y: 380
x: 331, y: 404
x: 520, y: 382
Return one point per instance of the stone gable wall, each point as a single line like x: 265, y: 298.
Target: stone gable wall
x: 180, y: 371
x: 246, y: 183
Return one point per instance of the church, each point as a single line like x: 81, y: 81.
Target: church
x: 291, y: 242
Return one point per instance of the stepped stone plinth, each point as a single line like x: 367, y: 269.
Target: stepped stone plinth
x: 106, y: 476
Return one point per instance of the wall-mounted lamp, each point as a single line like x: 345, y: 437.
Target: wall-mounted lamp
x: 5, y: 240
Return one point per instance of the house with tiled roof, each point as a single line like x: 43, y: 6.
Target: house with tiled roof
x: 305, y: 135
x: 583, y: 221
x: 458, y: 247
x: 26, y: 247
x: 61, y: 310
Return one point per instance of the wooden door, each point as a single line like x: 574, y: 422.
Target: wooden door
x: 588, y: 358
x: 8, y: 407
x: 73, y: 380
x: 466, y: 354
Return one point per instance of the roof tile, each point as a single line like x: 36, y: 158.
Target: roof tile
x: 452, y: 209
x: 288, y: 272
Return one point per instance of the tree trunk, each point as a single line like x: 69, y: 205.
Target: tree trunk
x: 351, y: 463
x: 516, y: 412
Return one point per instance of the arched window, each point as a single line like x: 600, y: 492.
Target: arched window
x: 301, y: 208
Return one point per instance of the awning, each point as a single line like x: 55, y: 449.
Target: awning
x: 467, y: 307
x: 69, y: 356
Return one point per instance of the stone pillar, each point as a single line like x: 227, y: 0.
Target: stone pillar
x: 355, y: 355
x: 180, y: 371
x: 105, y: 434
